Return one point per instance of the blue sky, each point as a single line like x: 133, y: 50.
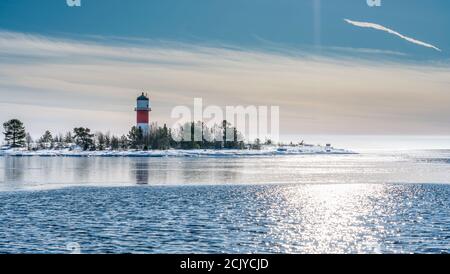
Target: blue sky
x: 62, y: 67
x: 248, y: 23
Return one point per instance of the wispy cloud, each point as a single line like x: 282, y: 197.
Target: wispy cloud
x: 382, y: 28
x: 57, y: 84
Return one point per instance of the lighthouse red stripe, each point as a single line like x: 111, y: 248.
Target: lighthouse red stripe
x: 142, y: 116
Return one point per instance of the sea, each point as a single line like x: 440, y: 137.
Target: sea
x: 371, y: 202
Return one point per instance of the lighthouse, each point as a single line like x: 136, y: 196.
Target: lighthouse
x: 142, y: 112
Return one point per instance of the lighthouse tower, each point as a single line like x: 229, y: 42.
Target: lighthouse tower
x: 142, y: 112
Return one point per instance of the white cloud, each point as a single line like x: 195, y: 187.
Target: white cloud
x: 59, y: 84
x: 382, y: 28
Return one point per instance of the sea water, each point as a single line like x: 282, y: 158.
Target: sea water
x: 384, y: 202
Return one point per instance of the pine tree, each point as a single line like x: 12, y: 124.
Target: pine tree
x: 14, y: 133
x: 235, y: 138
x: 123, y: 142
x: 135, y: 137
x: 101, y: 141
x: 108, y: 140
x: 58, y: 141
x: 161, y: 139
x: 84, y: 138
x: 68, y: 139
x: 165, y: 138
x: 115, y: 143
x: 46, y: 141
x: 228, y: 134
x: 257, y: 144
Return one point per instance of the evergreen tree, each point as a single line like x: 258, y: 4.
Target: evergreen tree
x: 101, y: 141
x: 123, y: 142
x: 68, y: 139
x: 224, y: 128
x: 83, y: 138
x: 135, y: 137
x: 165, y: 138
x: 228, y: 134
x: 14, y: 133
x: 58, y: 141
x: 235, y: 138
x: 46, y: 141
x: 257, y: 144
x: 115, y: 143
x: 108, y: 140
x: 161, y: 139
x: 192, y: 145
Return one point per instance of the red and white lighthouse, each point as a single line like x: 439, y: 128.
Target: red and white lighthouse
x: 142, y: 113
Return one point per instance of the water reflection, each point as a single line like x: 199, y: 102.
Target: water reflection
x: 141, y: 171
x: 14, y: 169
x: 30, y: 173
x: 82, y: 168
x: 212, y: 170
x: 331, y: 218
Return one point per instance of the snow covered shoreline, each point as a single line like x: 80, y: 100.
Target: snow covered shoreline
x: 271, y: 151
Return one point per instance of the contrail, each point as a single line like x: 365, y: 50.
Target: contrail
x: 382, y: 28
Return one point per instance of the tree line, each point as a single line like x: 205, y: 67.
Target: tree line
x: 159, y: 138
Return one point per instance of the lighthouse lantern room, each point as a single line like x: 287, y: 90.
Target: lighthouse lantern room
x: 142, y: 113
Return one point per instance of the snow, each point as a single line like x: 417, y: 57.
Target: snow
x: 266, y: 151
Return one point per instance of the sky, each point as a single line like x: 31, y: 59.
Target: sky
x: 333, y: 67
